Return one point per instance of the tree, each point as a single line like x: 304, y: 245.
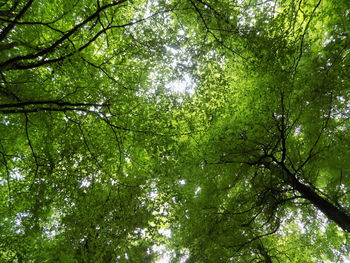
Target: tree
x: 98, y: 156
x: 74, y: 178
x: 273, y: 146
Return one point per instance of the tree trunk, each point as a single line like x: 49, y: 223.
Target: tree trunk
x: 336, y: 214
x: 327, y: 208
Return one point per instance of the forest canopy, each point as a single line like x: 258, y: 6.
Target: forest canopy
x: 174, y: 131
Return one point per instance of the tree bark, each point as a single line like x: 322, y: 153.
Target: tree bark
x: 327, y: 208
x: 332, y: 212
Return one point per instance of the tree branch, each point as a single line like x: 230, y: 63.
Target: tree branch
x: 52, y: 102
x: 7, y: 64
x: 65, y: 109
x: 7, y: 29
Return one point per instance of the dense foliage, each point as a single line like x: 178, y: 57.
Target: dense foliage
x: 208, y: 131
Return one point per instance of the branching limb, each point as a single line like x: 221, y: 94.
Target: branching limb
x: 9, y: 27
x: 209, y: 30
x: 301, y: 47
x: 51, y: 102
